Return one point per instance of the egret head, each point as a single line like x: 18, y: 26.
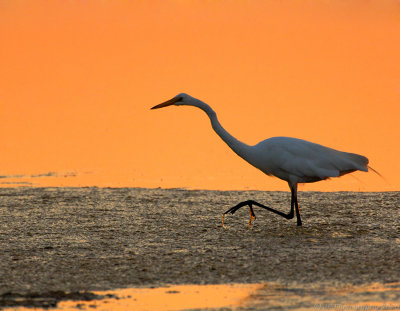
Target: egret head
x: 179, y: 100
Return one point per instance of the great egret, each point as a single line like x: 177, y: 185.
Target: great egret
x: 291, y: 159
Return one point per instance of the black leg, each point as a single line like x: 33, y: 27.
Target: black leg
x: 293, y: 206
x: 249, y: 203
x: 298, y: 216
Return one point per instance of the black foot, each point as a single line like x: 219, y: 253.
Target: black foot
x: 232, y: 210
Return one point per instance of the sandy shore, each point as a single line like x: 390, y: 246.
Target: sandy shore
x: 59, y: 240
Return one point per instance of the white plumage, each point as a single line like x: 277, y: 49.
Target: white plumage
x: 291, y: 159
x: 300, y: 161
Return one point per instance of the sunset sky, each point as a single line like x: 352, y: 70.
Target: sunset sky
x: 78, y: 79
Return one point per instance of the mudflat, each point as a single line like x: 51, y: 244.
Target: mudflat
x: 66, y: 241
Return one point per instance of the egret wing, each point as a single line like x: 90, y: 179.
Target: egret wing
x: 290, y: 158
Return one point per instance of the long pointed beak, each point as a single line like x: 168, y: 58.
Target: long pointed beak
x: 167, y: 103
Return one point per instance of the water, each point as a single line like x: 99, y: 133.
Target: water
x: 88, y: 239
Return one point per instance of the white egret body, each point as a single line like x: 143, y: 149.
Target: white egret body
x: 290, y: 159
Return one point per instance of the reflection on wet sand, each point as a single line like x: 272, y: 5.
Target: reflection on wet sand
x: 178, y: 297
x: 263, y: 296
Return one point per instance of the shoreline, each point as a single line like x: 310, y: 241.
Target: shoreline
x: 6, y: 185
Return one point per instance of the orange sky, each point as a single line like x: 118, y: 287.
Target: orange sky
x: 78, y: 78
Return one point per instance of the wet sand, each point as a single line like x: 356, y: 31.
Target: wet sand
x: 56, y: 241
x: 265, y: 296
x: 174, y: 297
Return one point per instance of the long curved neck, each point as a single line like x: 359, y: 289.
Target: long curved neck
x: 240, y: 148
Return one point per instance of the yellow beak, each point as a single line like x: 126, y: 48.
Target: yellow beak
x: 167, y: 103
